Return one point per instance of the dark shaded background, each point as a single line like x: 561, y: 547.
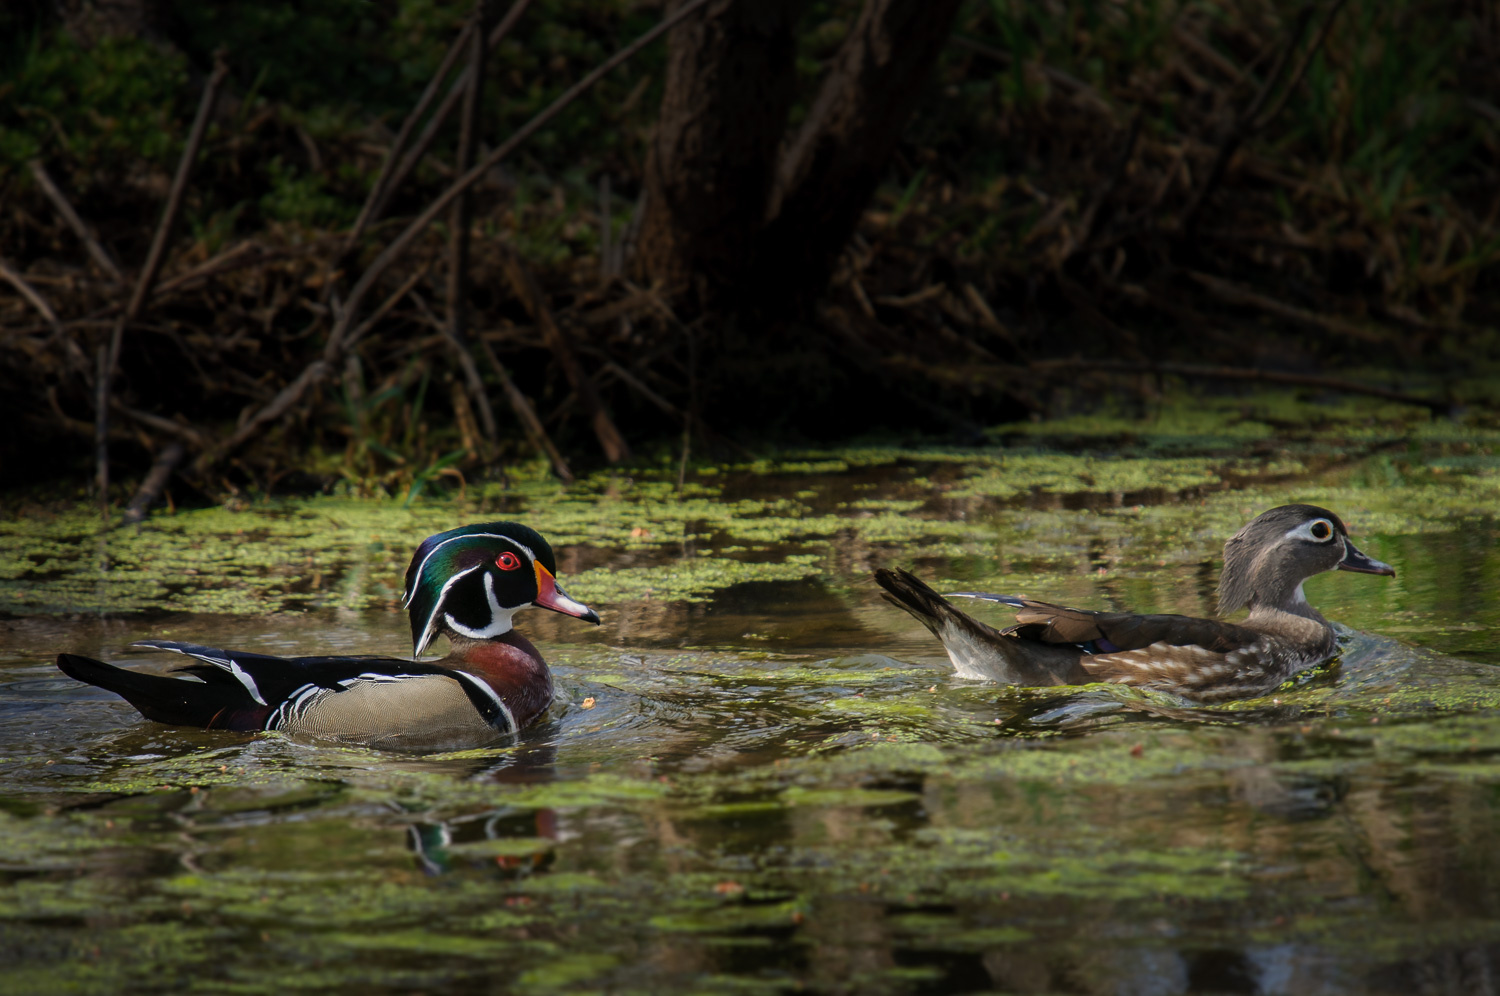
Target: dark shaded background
x: 786, y: 221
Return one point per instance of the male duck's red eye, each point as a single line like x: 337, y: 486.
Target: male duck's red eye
x: 507, y: 561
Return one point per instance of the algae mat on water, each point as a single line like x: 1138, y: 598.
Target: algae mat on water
x: 1133, y: 496
x: 759, y: 777
x: 1146, y: 857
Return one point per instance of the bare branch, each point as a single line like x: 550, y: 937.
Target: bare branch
x: 156, y: 481
x: 455, y: 328
x: 186, y: 433
x: 13, y: 277
x: 521, y: 405
x: 85, y: 232
x: 402, y: 242
x: 1302, y: 64
x: 148, y: 275
x: 383, y: 182
x: 435, y: 123
x: 385, y: 308
x: 1244, y: 123
x: 1234, y: 293
x: 525, y: 285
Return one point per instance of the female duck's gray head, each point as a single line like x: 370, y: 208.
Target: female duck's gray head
x: 1266, y: 562
x: 468, y: 582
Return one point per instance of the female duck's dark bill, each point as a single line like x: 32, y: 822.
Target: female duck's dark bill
x: 550, y: 596
x: 1361, y: 564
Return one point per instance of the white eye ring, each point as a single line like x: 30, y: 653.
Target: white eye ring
x: 1316, y: 531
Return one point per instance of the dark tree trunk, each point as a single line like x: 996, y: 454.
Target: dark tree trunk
x: 731, y: 76
x: 733, y: 212
x: 750, y: 223
x: 829, y: 172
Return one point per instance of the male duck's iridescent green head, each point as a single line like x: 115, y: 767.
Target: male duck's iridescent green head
x: 468, y: 582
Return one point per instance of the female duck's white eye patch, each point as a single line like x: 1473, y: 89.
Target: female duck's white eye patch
x: 1315, y: 531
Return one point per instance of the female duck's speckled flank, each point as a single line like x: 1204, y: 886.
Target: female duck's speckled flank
x: 464, y: 584
x: 1265, y: 564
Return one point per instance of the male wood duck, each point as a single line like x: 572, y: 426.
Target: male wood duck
x: 1208, y: 660
x: 464, y: 584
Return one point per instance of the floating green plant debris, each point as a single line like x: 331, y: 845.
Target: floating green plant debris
x: 41, y: 843
x: 764, y: 778
x: 688, y: 580
x: 639, y: 537
x: 798, y: 796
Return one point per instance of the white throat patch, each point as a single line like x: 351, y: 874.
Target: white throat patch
x: 499, y: 617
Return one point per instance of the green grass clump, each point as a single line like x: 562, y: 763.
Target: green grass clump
x: 106, y: 107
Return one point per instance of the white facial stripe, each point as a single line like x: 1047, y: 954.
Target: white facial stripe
x: 427, y: 631
x: 499, y: 618
x: 499, y: 626
x: 422, y: 567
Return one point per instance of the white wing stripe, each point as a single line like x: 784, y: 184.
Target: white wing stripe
x: 244, y: 678
x: 484, y: 686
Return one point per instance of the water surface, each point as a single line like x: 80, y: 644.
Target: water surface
x: 758, y: 776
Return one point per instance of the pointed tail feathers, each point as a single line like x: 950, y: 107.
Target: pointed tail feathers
x: 977, y: 651
x: 907, y: 591
x: 210, y: 704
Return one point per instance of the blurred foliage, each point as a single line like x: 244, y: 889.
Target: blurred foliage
x: 376, y: 58
x: 1386, y: 101
x: 114, y: 104
x: 1387, y: 104
x: 1367, y: 201
x: 302, y: 197
x: 324, y: 70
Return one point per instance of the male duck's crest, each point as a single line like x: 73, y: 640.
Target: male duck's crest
x: 470, y: 581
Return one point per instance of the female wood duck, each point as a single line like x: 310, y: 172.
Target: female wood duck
x: 1208, y: 660
x: 464, y: 584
